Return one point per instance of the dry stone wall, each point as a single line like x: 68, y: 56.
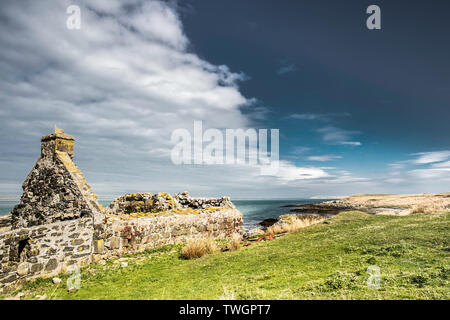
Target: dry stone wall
x: 44, y: 250
x: 5, y: 223
x: 151, y: 203
x: 118, y: 237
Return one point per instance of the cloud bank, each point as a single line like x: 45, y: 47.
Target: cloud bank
x: 121, y: 85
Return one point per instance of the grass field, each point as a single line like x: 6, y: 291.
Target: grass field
x: 323, y: 261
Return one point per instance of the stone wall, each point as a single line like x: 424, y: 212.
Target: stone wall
x: 5, y: 223
x: 118, y: 237
x: 152, y: 203
x: 52, y: 248
x: 44, y: 250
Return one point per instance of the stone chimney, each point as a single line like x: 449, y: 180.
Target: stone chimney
x: 57, y: 141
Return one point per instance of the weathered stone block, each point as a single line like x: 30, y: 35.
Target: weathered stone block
x: 98, y: 246
x: 23, y: 268
x: 51, y: 265
x: 77, y: 242
x: 36, y: 267
x: 10, y: 278
x: 115, y: 243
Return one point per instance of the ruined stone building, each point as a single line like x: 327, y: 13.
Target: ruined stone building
x: 59, y: 225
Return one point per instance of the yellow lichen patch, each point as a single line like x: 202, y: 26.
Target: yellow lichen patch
x: 170, y: 212
x: 165, y: 195
x: 89, y: 196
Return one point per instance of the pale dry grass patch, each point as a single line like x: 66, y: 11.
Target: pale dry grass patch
x: 235, y: 242
x: 199, y: 248
x: 418, y: 209
x: 291, y: 223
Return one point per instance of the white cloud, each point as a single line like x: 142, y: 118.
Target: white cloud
x: 397, y: 165
x: 300, y: 150
x: 289, y: 172
x: 431, y: 157
x: 305, y: 116
x: 120, y: 85
x: 327, y: 157
x: 340, y: 136
x: 350, y: 143
x: 432, y: 173
x: 445, y: 164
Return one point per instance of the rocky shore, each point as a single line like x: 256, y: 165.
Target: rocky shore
x: 379, y: 204
x: 382, y: 204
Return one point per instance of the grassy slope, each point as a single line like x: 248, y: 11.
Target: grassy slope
x: 326, y: 261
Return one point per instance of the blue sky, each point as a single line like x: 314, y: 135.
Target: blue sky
x: 359, y: 111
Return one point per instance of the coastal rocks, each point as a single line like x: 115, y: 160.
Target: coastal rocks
x: 267, y: 222
x: 380, y: 204
x: 328, y: 207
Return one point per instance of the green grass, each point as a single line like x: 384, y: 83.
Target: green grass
x: 324, y: 261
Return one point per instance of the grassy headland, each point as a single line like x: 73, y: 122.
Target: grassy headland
x: 324, y: 261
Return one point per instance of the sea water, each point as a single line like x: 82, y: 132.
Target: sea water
x: 254, y: 211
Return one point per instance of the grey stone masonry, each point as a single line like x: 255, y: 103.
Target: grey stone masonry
x: 55, y: 189
x: 44, y: 250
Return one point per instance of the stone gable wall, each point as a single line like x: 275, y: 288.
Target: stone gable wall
x: 49, y: 195
x: 55, y: 189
